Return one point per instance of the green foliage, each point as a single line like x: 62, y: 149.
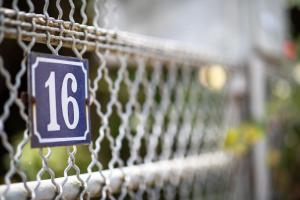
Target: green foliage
x: 295, y: 3
x: 239, y: 139
x: 31, y: 160
x: 284, y: 156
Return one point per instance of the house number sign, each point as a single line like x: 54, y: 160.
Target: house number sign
x: 58, y: 100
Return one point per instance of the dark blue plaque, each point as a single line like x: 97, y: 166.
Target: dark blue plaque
x: 58, y: 100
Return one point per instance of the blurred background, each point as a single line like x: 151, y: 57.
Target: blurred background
x: 260, y: 39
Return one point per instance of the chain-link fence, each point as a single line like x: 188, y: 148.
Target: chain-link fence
x: 157, y: 115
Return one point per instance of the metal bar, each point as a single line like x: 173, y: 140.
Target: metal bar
x: 135, y: 175
x: 101, y: 38
x: 257, y: 108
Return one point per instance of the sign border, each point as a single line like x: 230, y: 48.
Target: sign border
x: 48, y: 58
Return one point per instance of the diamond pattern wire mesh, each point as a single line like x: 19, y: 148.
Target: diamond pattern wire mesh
x: 146, y: 107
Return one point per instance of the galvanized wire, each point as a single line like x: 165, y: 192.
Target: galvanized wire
x: 149, y: 105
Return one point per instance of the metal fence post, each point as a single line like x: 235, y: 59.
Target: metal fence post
x: 257, y: 109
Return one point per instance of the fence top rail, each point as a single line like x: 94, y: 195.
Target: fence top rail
x: 44, y: 28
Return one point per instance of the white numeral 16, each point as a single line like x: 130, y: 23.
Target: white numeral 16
x: 65, y: 100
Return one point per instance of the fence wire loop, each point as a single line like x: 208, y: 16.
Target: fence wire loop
x: 155, y: 124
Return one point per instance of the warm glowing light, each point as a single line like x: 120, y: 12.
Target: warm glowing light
x: 282, y: 89
x: 213, y: 77
x: 296, y: 73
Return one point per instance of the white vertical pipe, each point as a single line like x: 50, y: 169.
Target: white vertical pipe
x: 257, y: 109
